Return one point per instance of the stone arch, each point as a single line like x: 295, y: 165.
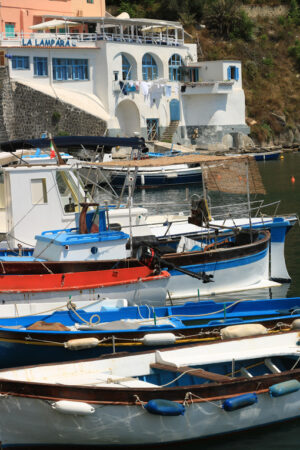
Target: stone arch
x: 128, y: 117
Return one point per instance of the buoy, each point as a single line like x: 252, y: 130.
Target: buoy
x: 293, y: 179
x: 165, y: 407
x: 295, y: 324
x: 281, y: 157
x: 159, y: 339
x: 78, y: 408
x: 81, y: 344
x: 232, y: 404
x: 284, y: 388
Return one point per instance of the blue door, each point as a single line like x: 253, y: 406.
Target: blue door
x: 174, y: 110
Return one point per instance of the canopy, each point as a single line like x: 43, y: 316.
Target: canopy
x: 158, y: 29
x: 55, y: 23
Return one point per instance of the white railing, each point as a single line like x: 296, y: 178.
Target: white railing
x: 35, y: 39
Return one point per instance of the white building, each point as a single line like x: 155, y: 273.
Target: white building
x: 138, y: 75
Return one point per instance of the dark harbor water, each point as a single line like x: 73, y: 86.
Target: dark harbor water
x: 277, y: 179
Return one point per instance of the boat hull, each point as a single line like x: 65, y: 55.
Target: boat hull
x: 160, y: 178
x: 29, y: 294
x: 32, y: 422
x: 102, y: 402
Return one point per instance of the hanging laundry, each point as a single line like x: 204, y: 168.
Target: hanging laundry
x: 123, y: 87
x: 144, y: 88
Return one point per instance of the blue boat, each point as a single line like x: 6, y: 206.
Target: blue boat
x: 99, y: 329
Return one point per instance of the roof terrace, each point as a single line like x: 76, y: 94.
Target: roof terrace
x: 87, y: 31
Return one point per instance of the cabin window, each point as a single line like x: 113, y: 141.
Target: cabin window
x: 174, y: 67
x: 40, y: 66
x: 70, y: 69
x: 150, y: 70
x: 69, y: 191
x: 39, y: 191
x: 20, y: 62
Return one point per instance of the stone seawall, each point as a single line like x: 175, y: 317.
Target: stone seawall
x: 27, y: 113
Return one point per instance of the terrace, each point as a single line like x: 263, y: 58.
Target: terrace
x: 70, y: 33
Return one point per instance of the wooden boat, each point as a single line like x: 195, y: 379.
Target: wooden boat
x: 156, y: 177
x: 209, y: 266
x: 152, y: 398
x: 28, y: 293
x: 101, y: 328
x: 51, y: 195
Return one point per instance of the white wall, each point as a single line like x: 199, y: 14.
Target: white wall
x: 214, y: 109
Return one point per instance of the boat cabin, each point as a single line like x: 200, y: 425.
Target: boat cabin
x: 91, y: 240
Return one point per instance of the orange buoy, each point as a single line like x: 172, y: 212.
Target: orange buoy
x: 293, y: 179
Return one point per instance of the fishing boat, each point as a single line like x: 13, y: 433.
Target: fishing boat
x: 102, y: 328
x: 236, y: 263
x: 51, y: 195
x: 154, y: 397
x: 156, y: 177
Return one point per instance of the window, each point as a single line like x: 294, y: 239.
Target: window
x: 20, y: 62
x: 69, y: 193
x: 150, y: 71
x: 90, y: 1
x: 233, y: 73
x: 126, y: 68
x: 9, y: 29
x: 174, y: 67
x: 70, y: 69
x: 40, y: 66
x: 39, y: 191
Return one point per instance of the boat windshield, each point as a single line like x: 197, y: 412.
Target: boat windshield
x: 71, y: 190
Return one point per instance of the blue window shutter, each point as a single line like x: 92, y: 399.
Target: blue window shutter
x: 228, y: 73
x: 236, y: 74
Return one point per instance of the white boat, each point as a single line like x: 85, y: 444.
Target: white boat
x: 155, y: 397
x: 51, y: 194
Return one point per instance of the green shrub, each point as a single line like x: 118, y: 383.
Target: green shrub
x: 294, y: 52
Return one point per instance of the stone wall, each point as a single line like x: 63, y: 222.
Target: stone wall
x: 27, y: 113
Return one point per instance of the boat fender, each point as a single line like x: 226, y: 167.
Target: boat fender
x: 296, y: 324
x: 159, y: 339
x: 244, y: 330
x: 232, y: 404
x: 165, y: 407
x: 68, y: 407
x: 81, y: 344
x: 286, y: 387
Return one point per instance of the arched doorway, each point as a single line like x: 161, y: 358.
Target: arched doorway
x: 174, y: 110
x: 129, y: 118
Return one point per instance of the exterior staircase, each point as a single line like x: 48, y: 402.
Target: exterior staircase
x: 169, y: 131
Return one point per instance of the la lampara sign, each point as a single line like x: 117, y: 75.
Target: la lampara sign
x: 40, y: 42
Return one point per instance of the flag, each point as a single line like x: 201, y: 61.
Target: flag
x: 52, y: 151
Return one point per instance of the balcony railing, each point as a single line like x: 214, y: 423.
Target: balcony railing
x: 80, y: 39
x: 207, y: 87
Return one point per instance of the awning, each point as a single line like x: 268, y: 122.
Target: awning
x: 158, y: 29
x: 55, y: 23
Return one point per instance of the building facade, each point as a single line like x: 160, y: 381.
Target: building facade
x: 138, y: 75
x: 19, y: 15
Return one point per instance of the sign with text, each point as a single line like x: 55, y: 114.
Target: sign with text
x: 58, y: 42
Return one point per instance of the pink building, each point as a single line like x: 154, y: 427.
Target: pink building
x: 18, y: 15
